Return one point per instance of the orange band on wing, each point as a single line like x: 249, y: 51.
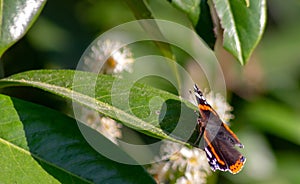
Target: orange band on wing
x: 205, y: 108
x: 231, y: 133
x: 213, y: 150
x: 235, y: 168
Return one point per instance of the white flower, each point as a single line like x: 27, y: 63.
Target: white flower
x: 186, y: 165
x: 108, y: 57
x: 106, y: 126
x: 110, y: 129
x: 218, y: 102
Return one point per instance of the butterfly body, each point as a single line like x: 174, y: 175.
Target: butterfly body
x: 219, y: 140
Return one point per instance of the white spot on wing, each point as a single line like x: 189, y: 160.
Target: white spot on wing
x: 208, y: 153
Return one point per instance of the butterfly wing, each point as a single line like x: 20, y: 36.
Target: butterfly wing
x: 219, y: 147
x: 219, y: 140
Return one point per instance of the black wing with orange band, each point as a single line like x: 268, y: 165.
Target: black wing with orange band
x: 218, y: 138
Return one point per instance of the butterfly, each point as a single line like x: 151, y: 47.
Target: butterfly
x: 219, y: 140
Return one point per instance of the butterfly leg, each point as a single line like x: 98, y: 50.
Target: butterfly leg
x: 201, y: 129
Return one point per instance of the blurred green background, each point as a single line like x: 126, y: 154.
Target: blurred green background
x: 265, y: 93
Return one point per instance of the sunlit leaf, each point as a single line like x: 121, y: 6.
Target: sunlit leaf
x: 17, y: 16
x: 143, y: 108
x: 243, y: 26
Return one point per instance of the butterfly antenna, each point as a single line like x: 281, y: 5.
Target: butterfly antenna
x: 199, y: 96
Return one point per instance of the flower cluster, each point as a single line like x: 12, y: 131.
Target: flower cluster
x: 218, y: 102
x: 108, y: 57
x: 106, y: 126
x: 186, y: 165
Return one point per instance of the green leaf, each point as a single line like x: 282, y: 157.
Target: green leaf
x: 38, y: 144
x: 16, y: 17
x: 243, y: 26
x: 143, y: 108
x: 190, y: 7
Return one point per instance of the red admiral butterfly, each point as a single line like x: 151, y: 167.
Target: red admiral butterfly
x: 219, y: 140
